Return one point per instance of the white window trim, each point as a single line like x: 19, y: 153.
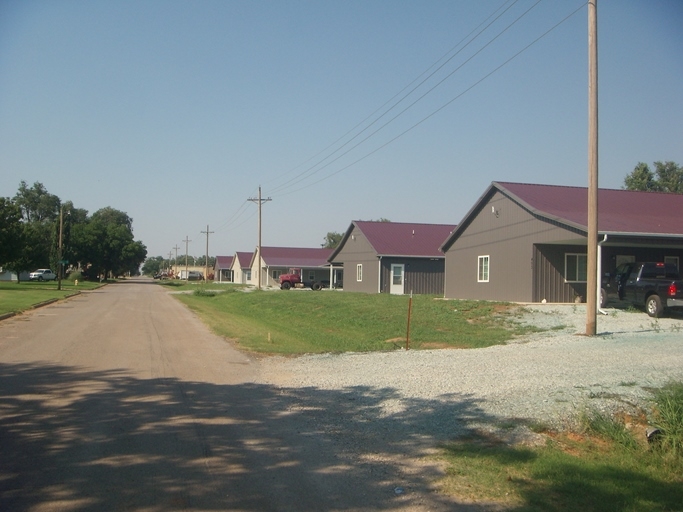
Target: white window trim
x: 359, y: 272
x: 578, y: 255
x: 480, y: 259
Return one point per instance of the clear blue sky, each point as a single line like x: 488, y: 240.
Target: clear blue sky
x: 175, y: 112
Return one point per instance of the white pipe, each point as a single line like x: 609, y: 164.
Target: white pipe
x: 600, y: 310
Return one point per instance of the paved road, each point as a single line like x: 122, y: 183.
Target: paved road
x: 120, y: 399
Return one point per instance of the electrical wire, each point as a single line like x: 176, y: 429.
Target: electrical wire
x: 442, y: 106
x: 303, y: 175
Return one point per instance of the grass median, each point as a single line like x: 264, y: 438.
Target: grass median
x: 302, y: 321
x: 17, y: 297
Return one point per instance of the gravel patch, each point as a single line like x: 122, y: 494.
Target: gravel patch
x: 424, y: 397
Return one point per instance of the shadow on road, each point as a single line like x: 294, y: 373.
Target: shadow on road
x: 87, y: 441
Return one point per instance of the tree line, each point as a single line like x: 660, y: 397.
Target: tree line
x: 33, y: 222
x: 667, y: 177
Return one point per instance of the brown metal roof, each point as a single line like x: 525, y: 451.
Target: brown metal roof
x: 403, y: 239
x: 619, y: 211
x: 626, y: 212
x: 295, y: 256
x: 223, y: 262
x: 244, y: 259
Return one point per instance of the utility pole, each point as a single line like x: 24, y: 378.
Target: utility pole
x: 61, y: 265
x: 260, y: 202
x: 175, y: 262
x: 169, y: 261
x: 186, y: 243
x: 592, y: 266
x: 206, y: 268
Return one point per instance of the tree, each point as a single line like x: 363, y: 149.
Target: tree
x: 10, y: 230
x: 31, y: 252
x: 153, y: 265
x: 36, y: 203
x: 332, y: 239
x: 105, y: 243
x: 668, y: 177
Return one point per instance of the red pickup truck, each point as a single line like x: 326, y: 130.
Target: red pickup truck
x: 653, y: 285
x: 293, y: 280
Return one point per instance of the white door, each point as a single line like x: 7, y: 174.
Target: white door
x: 397, y: 277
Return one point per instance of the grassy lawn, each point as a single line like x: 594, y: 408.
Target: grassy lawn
x: 17, y: 297
x: 298, y: 322
x: 609, y: 466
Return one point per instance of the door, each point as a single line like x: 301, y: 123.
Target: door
x: 397, y: 278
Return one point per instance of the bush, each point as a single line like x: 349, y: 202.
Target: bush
x: 75, y: 275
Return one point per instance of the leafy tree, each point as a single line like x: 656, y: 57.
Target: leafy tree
x: 105, y: 243
x: 33, y: 248
x: 668, y: 177
x: 332, y: 239
x: 153, y: 265
x: 10, y: 230
x: 201, y: 261
x: 36, y: 203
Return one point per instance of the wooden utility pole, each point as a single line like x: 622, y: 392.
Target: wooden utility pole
x: 206, y: 266
x: 186, y: 244
x: 169, y: 261
x: 60, y: 270
x: 175, y: 262
x: 592, y: 282
x: 260, y: 202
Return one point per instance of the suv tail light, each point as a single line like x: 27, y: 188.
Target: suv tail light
x: 672, y: 290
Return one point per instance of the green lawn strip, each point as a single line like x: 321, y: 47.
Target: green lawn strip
x: 608, y: 466
x: 566, y: 474
x: 298, y: 322
x: 17, y: 297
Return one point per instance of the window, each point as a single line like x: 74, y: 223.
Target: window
x: 575, y: 268
x: 277, y: 274
x: 311, y: 275
x: 672, y: 260
x: 247, y: 275
x: 359, y: 272
x: 483, y: 269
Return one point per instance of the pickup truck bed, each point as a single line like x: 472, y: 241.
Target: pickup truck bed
x: 655, y: 286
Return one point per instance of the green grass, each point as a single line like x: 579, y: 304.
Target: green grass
x: 608, y: 466
x: 299, y: 322
x: 668, y: 417
x: 17, y: 297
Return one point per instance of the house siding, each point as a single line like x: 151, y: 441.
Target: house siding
x: 508, y: 234
x: 422, y: 276
x: 358, y: 251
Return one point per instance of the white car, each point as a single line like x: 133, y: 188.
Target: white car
x: 42, y: 274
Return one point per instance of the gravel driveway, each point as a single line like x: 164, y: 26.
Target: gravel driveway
x: 434, y: 395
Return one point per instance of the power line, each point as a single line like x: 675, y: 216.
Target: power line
x: 303, y: 175
x: 438, y: 109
